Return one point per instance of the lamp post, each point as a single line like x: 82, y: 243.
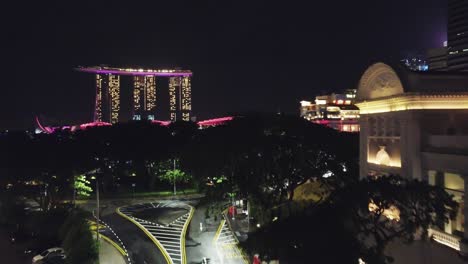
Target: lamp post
x: 174, y: 176
x: 97, y: 210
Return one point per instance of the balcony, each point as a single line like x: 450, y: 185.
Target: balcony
x: 443, y: 238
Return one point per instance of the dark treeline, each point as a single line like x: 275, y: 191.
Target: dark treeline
x: 263, y: 158
x: 135, y: 151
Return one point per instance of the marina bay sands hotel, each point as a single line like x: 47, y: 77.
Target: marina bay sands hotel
x: 108, y: 105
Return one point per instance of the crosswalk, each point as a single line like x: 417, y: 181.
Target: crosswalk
x: 171, y: 236
x: 227, y: 245
x: 226, y: 236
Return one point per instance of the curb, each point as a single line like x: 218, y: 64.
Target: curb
x: 114, y: 244
x: 184, y: 231
x: 218, y: 232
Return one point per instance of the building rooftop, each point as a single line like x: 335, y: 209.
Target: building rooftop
x: 383, y: 80
x: 135, y: 71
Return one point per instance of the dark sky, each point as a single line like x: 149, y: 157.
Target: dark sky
x: 245, y: 55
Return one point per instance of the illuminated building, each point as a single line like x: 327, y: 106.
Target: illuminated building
x: 335, y: 110
x: 144, y: 97
x: 437, y: 59
x: 453, y: 56
x: 415, y: 64
x: 415, y: 124
x: 457, y: 35
x: 107, y: 103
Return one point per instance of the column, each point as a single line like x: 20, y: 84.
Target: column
x: 414, y: 136
x: 150, y: 97
x: 99, y: 95
x: 465, y: 208
x: 186, y: 98
x: 138, y: 96
x: 174, y: 101
x: 464, y: 241
x: 114, y: 92
x: 410, y: 146
x: 363, y: 145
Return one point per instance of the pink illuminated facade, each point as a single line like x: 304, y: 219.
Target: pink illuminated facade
x: 201, y: 124
x: 336, y: 111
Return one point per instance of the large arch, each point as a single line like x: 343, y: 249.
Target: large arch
x: 379, y: 80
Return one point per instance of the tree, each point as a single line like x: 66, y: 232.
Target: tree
x: 382, y: 209
x: 82, y: 186
x: 78, y: 240
x: 175, y: 176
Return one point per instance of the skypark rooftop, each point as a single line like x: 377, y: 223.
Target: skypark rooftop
x: 134, y: 71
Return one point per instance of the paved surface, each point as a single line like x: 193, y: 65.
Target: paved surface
x: 108, y: 206
x: 216, y: 241
x: 227, y: 245
x: 199, y: 243
x: 10, y: 253
x: 168, y: 234
x: 109, y: 254
x: 141, y: 249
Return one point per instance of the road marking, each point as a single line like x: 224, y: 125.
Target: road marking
x: 170, y: 239
x: 155, y: 241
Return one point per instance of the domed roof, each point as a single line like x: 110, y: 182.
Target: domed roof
x: 382, y: 80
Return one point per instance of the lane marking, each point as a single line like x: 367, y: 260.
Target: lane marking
x: 155, y: 241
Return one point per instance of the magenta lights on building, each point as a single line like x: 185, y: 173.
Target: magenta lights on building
x: 201, y: 124
x: 134, y: 72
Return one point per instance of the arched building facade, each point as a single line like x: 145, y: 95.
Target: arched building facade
x: 415, y: 124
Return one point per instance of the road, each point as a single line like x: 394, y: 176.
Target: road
x: 141, y: 249
x: 152, y: 232
x: 12, y: 253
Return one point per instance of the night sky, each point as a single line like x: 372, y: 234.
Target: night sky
x: 246, y: 55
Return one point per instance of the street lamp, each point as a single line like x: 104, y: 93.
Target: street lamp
x: 97, y: 208
x: 174, y: 176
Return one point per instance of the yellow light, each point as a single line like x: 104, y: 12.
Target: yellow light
x: 393, y: 163
x: 414, y: 102
x: 392, y: 212
x: 320, y: 101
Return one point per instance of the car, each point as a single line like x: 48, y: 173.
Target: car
x: 55, y: 259
x: 47, y: 253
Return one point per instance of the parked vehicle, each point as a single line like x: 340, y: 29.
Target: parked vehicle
x: 55, y: 259
x: 48, y: 253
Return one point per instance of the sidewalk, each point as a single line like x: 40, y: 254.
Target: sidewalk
x: 199, y: 244
x: 109, y: 254
x: 240, y: 225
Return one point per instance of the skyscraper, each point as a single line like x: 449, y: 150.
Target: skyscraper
x: 437, y: 59
x: 457, y: 35
x: 107, y: 103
